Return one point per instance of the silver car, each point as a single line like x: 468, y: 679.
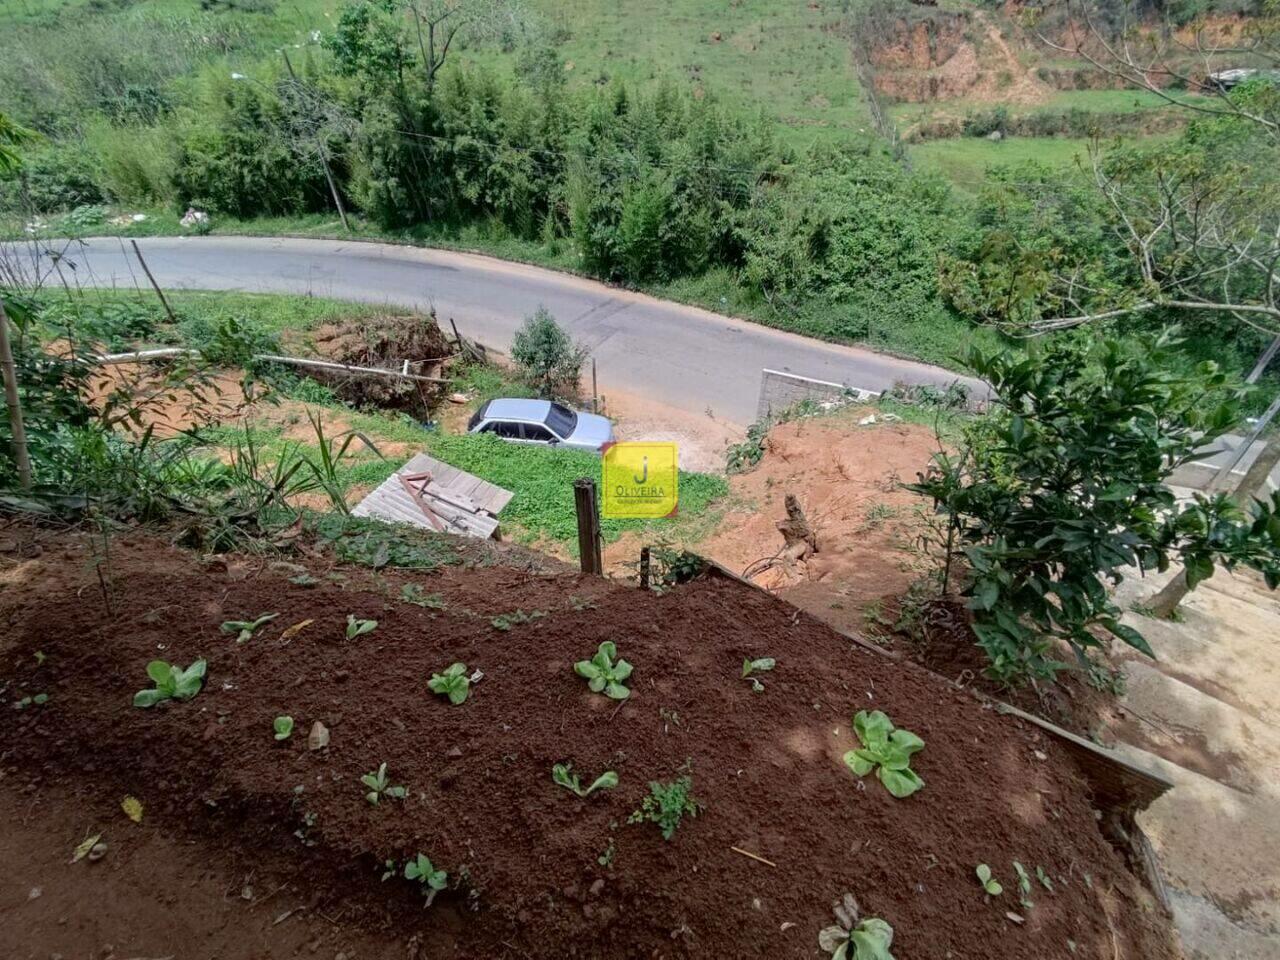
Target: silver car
x: 541, y: 421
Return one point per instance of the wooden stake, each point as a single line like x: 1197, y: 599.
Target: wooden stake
x: 595, y: 393
x: 644, y: 568
x: 584, y: 501
x: 748, y: 853
x: 155, y: 286
x: 21, y: 457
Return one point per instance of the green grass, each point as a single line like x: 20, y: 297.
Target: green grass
x: 965, y: 160
x: 540, y: 478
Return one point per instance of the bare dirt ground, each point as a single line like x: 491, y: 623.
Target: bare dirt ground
x: 847, y: 478
x: 533, y: 871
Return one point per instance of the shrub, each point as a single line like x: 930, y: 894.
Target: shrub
x: 1062, y: 485
x: 547, y: 356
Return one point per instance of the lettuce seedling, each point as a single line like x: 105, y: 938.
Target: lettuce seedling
x: 357, y: 628
x: 245, y: 629
x: 666, y: 805
x: 453, y: 683
x: 421, y: 869
x: 854, y: 938
x: 379, y: 786
x: 750, y: 666
x: 171, y: 683
x: 562, y: 774
x: 989, y: 883
x: 887, y: 751
x: 602, y: 674
x: 283, y: 727
x: 412, y: 593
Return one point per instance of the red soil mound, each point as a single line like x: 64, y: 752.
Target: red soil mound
x: 522, y: 853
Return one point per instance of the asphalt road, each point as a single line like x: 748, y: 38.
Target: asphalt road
x: 681, y: 356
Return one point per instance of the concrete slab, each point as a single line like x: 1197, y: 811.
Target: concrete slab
x: 1206, y: 715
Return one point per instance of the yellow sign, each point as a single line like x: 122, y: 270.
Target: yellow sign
x: 640, y: 480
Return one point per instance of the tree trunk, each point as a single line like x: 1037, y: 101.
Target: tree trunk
x: 799, y: 536
x: 1164, y: 603
x: 16, y: 426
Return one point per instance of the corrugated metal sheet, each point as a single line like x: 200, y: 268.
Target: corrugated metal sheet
x: 392, y: 502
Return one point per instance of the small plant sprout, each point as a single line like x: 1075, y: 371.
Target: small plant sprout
x: 358, y: 628
x: 1024, y: 885
x: 1044, y: 879
x: 245, y: 629
x: 432, y: 880
x: 39, y: 700
x: 412, y: 593
x: 283, y: 727
x: 989, y: 883
x: 505, y: 621
x: 606, y: 859
x: 562, y: 774
x: 750, y: 666
x: 379, y: 786
x: 171, y: 683
x: 453, y: 683
x: 887, y: 751
x: 666, y: 805
x: 603, y: 675
x: 854, y: 938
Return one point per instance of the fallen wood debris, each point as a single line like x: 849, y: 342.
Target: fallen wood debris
x: 169, y: 353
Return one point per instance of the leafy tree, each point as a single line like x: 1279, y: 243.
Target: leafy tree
x: 11, y: 136
x: 1062, y: 485
x: 547, y: 356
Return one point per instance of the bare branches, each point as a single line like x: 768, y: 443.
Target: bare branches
x: 1189, y: 68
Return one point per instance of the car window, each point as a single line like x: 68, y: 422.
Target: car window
x: 534, y: 431
x: 561, y: 419
x: 503, y: 429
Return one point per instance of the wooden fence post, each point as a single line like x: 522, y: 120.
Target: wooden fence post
x: 17, y: 428
x: 644, y: 568
x: 155, y: 286
x: 584, y: 500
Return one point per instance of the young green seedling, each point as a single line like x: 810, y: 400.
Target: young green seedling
x: 283, y: 727
x: 380, y: 786
x: 1044, y: 879
x: 1024, y: 885
x: 989, y: 883
x: 666, y: 805
x: 39, y: 700
x: 750, y: 666
x: 171, y: 683
x: 412, y: 593
x: 887, y: 751
x: 854, y: 938
x: 357, y: 628
x: 453, y: 683
x: 432, y: 880
x: 603, y: 675
x: 562, y: 774
x: 245, y: 629
x: 505, y: 621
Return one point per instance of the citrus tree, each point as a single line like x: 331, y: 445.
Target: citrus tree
x: 1061, y: 486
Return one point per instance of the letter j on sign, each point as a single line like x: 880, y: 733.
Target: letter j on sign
x: 641, y: 480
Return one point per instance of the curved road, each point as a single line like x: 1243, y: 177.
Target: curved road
x: 681, y: 356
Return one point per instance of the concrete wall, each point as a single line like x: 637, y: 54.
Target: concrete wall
x: 781, y: 391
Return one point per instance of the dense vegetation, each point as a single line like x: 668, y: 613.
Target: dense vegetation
x: 658, y: 184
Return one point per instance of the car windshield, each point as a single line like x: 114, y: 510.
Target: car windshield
x: 561, y: 420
